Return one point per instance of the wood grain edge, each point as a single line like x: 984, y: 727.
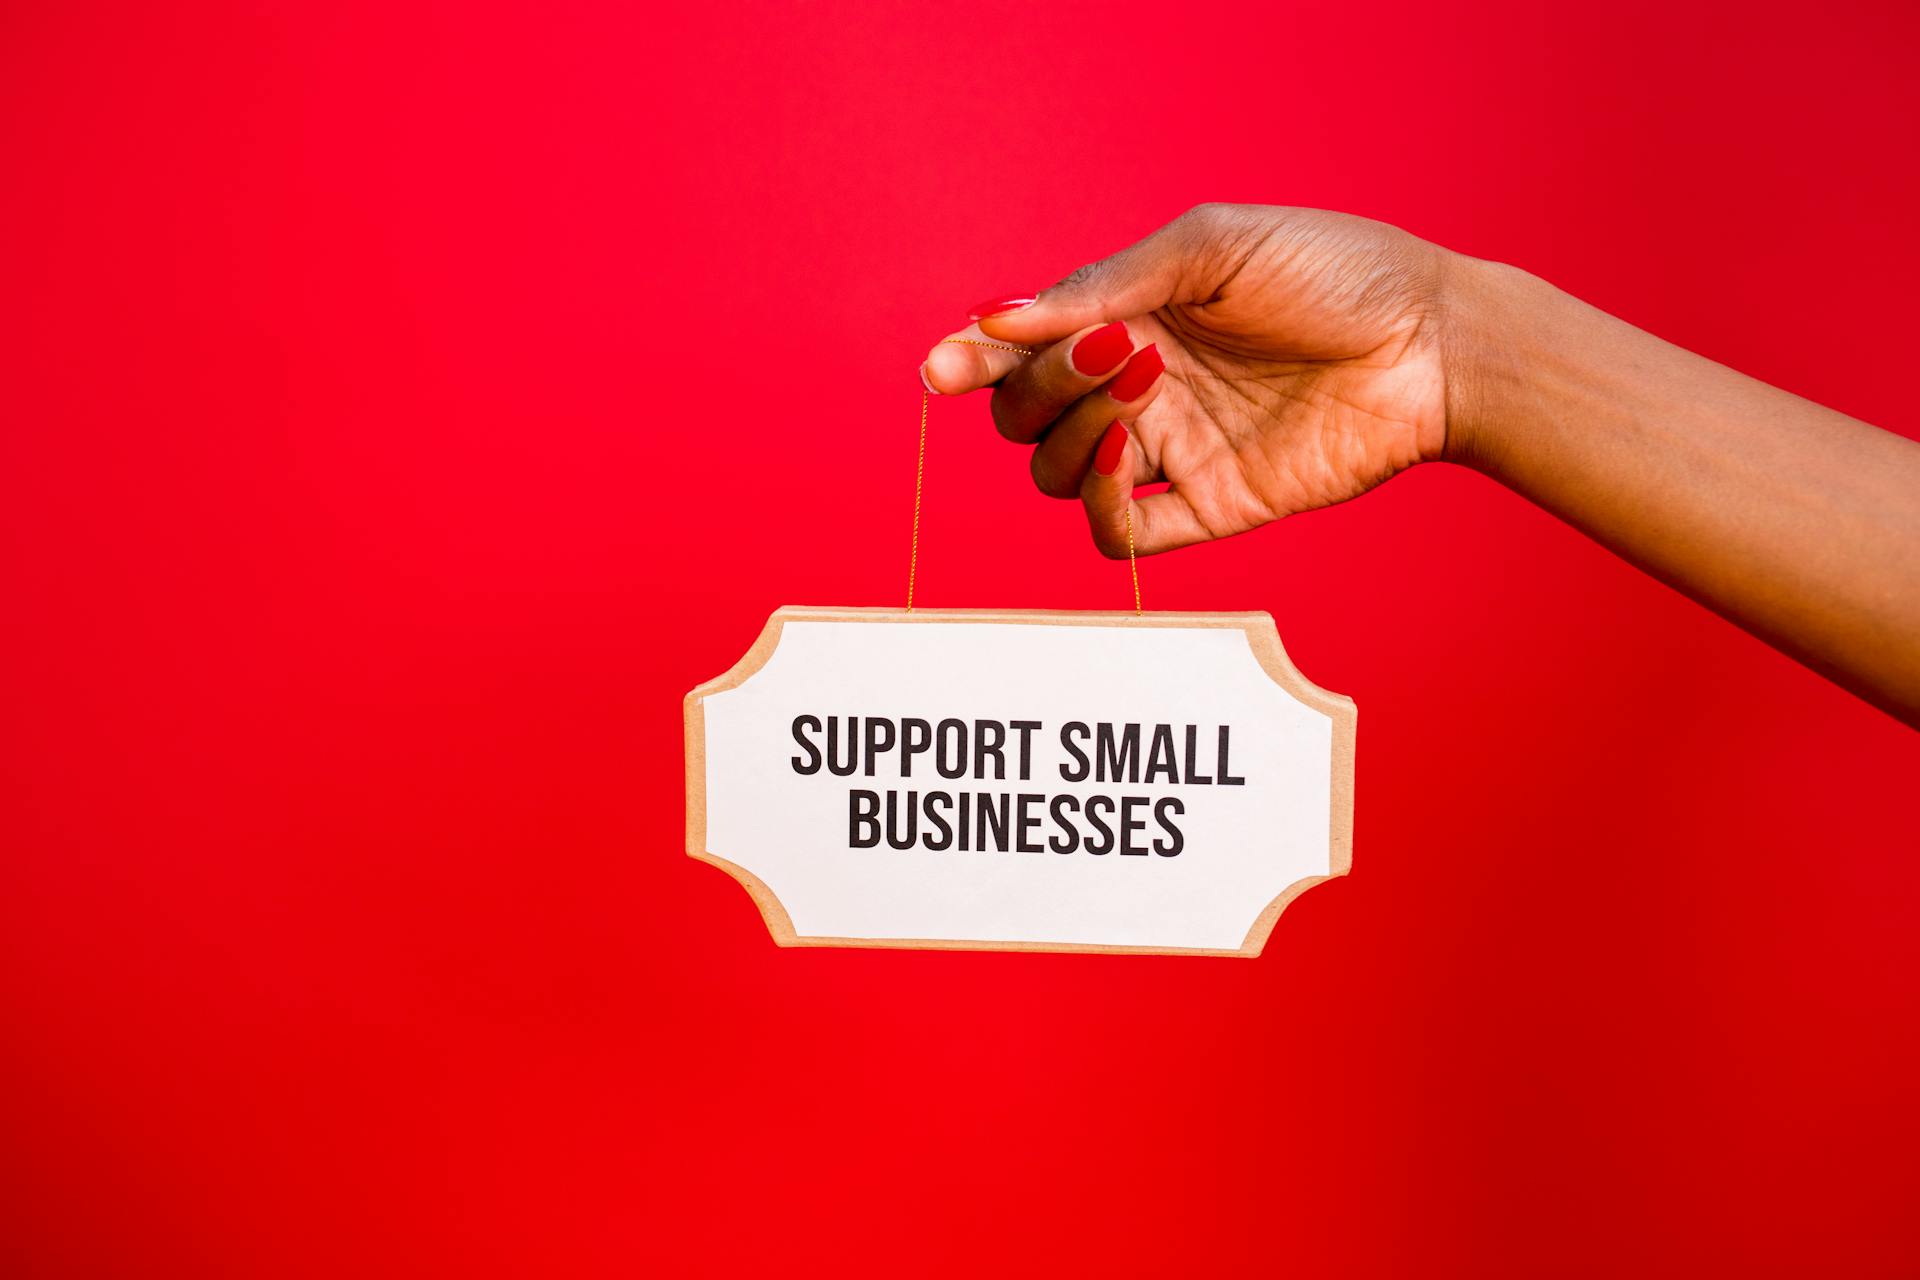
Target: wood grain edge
x: 772, y: 911
x: 1263, y: 638
x: 1029, y: 617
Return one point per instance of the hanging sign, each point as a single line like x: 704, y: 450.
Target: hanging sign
x: 1020, y: 781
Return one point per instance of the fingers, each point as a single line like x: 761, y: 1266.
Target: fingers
x: 1060, y: 463
x: 1041, y: 388
x: 1121, y: 525
x: 956, y: 365
x: 1184, y: 261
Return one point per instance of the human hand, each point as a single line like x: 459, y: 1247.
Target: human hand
x: 1303, y: 364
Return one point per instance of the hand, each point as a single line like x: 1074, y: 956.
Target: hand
x: 1302, y: 366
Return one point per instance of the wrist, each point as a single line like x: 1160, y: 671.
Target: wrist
x: 1491, y: 314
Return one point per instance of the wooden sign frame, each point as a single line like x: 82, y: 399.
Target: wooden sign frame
x: 1262, y: 637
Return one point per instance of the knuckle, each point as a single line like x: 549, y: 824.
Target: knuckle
x: 1217, y: 218
x: 1109, y: 541
x: 1080, y: 276
x: 1049, y: 479
x: 1006, y: 416
x: 1208, y: 216
x: 1041, y: 473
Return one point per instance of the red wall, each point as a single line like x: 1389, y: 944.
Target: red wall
x: 405, y: 405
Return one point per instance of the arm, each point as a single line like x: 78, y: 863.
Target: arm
x: 1795, y: 522
x: 1265, y: 361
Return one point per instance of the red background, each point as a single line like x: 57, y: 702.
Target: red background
x: 406, y: 405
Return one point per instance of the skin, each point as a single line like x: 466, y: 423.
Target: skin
x: 1311, y: 356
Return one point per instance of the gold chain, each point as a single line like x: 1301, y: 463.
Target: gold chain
x: 920, y: 470
x: 1133, y: 568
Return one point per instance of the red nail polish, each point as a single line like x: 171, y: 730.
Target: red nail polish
x: 1106, y: 460
x: 1132, y: 382
x: 1101, y: 350
x: 998, y: 307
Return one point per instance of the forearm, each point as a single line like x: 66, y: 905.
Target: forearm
x: 1797, y: 523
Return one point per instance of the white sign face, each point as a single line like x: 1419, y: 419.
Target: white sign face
x: 1021, y: 780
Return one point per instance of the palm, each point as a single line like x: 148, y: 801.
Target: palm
x: 1307, y: 378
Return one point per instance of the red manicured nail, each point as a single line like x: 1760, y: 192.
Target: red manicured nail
x: 1102, y: 349
x: 998, y: 307
x: 1132, y: 382
x: 1106, y: 460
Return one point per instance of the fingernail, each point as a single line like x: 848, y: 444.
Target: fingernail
x: 1106, y: 460
x: 1101, y: 350
x: 1132, y: 382
x: 925, y: 383
x: 998, y: 307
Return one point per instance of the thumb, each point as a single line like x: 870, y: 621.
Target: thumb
x: 1177, y: 263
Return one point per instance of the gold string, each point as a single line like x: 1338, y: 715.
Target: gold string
x: 920, y: 470
x: 1133, y: 568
